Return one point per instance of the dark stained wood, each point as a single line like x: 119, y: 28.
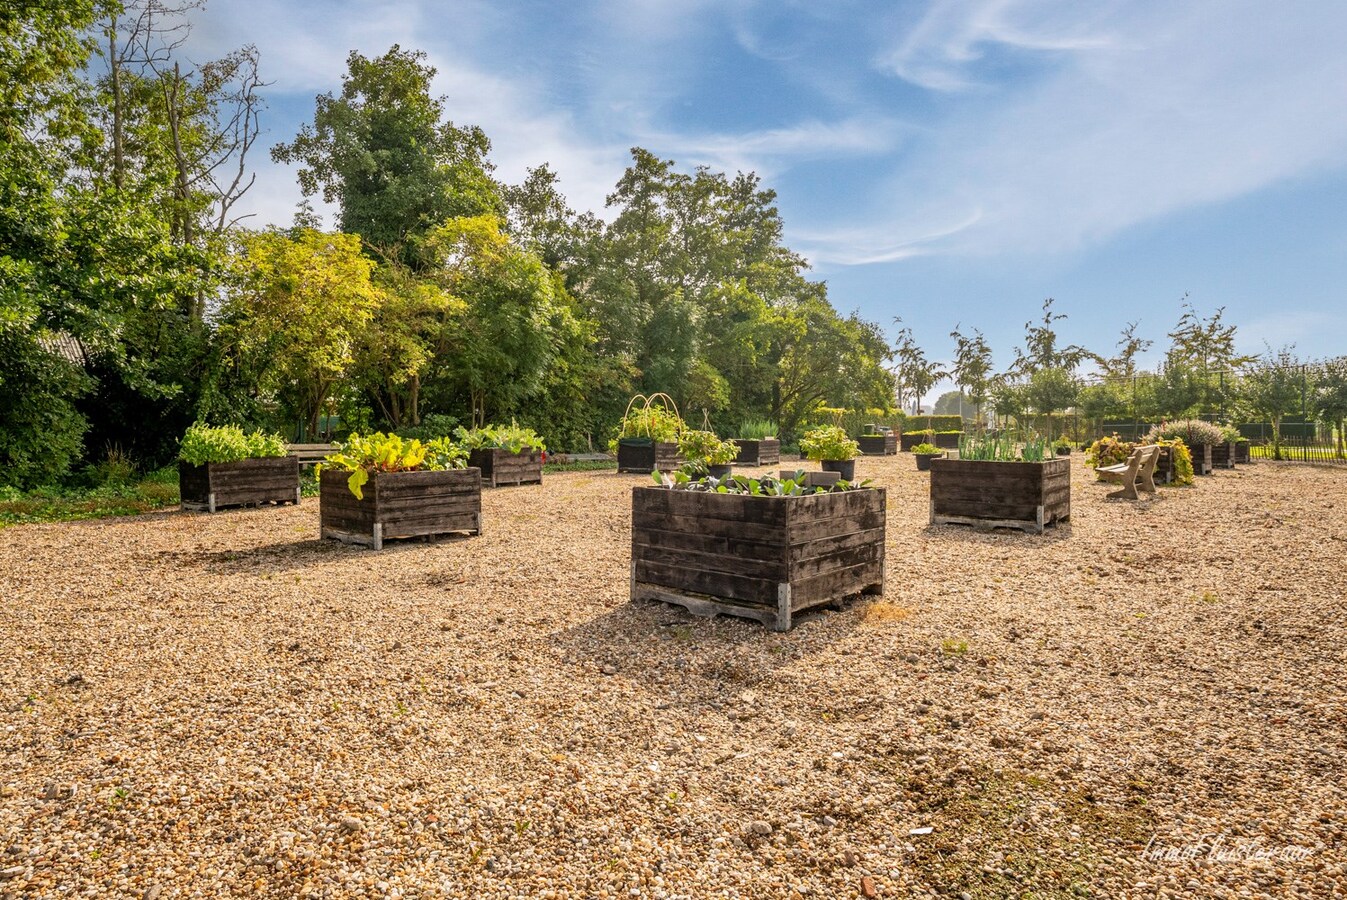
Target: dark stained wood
x: 1201, y: 458
x: 885, y: 444
x: 1023, y: 495
x: 1242, y: 452
x: 908, y: 441
x: 764, y: 452
x: 503, y: 467
x: 948, y: 441
x: 1223, y: 455
x: 400, y: 504
x: 765, y: 558
x: 644, y: 458
x: 243, y: 483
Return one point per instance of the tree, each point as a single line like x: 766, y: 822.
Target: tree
x: 300, y: 306
x: 915, y: 374
x: 1274, y: 388
x: 1040, y: 346
x: 383, y: 153
x: 1051, y: 390
x: 972, y: 369
x: 1330, y: 399
x: 1204, y: 350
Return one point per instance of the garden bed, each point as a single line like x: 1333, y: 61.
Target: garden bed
x: 1025, y: 495
x: 645, y: 456
x: 764, y: 452
x: 908, y: 441
x: 885, y: 444
x: 1223, y: 456
x: 763, y: 558
x: 1202, y: 458
x: 500, y: 467
x: 247, y: 482
x: 400, y: 505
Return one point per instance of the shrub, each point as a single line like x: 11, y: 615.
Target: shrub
x: 757, y: 430
x: 829, y: 442
x: 653, y: 421
x: 203, y: 444
x: 1193, y: 432
x: 704, y: 448
x: 1183, y: 460
x: 434, y: 425
x: 513, y: 438
x: 1108, y: 451
x: 926, y: 448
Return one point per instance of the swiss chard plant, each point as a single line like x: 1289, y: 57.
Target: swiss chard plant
x: 203, y: 444
x: 381, y: 452
x: 512, y: 438
x: 766, y: 486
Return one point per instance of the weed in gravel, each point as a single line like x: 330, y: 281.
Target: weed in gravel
x: 883, y: 611
x: 952, y: 647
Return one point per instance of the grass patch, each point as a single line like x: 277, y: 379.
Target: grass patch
x: 68, y: 503
x: 883, y: 611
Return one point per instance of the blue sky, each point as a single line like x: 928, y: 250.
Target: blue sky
x: 949, y: 163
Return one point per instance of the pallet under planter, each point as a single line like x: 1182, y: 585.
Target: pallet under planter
x: 400, y: 505
x: 273, y: 479
x: 644, y: 456
x: 1025, y: 495
x: 763, y: 558
x: 885, y: 444
x: 503, y: 467
x: 764, y: 452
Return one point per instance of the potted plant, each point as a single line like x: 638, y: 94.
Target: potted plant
x: 647, y: 438
x: 833, y: 448
x: 705, y: 454
x: 758, y: 443
x: 1198, y: 436
x: 223, y: 466
x: 506, y: 454
x: 998, y: 482
x: 878, y: 440
x: 381, y: 486
x: 924, y: 453
x: 762, y: 548
x: 1062, y: 446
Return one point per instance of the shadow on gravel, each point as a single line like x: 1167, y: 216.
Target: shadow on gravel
x: 287, y: 556
x: 707, y: 660
x: 968, y: 534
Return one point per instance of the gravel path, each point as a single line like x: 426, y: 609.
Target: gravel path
x: 202, y: 706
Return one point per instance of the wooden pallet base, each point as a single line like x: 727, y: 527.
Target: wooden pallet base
x: 779, y: 618
x: 375, y: 540
x: 1038, y: 526
x: 212, y: 506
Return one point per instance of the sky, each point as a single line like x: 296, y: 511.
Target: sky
x: 952, y: 164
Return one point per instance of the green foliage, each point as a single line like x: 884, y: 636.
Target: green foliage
x: 1003, y: 448
x: 703, y: 447
x: 1193, y: 432
x: 1274, y: 389
x: 829, y: 442
x: 757, y: 430
x: 41, y: 431
x: 656, y: 420
x: 766, y: 486
x: 933, y: 424
x: 1108, y: 451
x: 433, y: 425
x: 155, y: 491
x: 1183, y: 460
x: 512, y: 438
x: 380, y: 452
x: 203, y: 444
x: 926, y: 448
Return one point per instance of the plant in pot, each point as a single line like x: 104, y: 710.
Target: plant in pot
x: 381, y: 486
x: 1062, y: 446
x: 506, y: 454
x: 223, y: 466
x: 924, y: 453
x: 647, y: 437
x: 704, y: 453
x: 833, y: 448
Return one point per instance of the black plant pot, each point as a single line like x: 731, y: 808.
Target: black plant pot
x: 1063, y: 451
x: 719, y: 471
x: 844, y: 467
x: 924, y: 460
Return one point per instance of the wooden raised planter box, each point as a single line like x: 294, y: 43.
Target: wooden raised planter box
x: 1202, y: 457
x: 885, y: 444
x: 947, y: 441
x: 763, y: 558
x: 1242, y: 452
x: 1025, y: 495
x: 1223, y: 455
x: 503, y: 467
x: 400, y: 505
x: 908, y: 441
x: 646, y: 456
x: 214, y: 485
x: 764, y: 452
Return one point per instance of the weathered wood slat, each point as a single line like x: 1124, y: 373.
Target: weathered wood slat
x: 646, y: 458
x: 401, y: 504
x: 1000, y: 494
x: 766, y: 534
x: 865, y: 578
x: 713, y: 584
x: 247, y: 481
x: 503, y: 467
x: 764, y: 452
x: 879, y: 444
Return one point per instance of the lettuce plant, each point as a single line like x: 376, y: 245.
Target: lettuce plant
x: 203, y: 444
x: 766, y: 486
x: 381, y: 452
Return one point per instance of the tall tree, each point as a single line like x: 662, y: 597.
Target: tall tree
x: 972, y: 368
x: 1330, y: 399
x: 1204, y: 349
x: 1274, y: 388
x: 383, y: 152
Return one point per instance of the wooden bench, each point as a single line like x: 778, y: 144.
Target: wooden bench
x: 1138, y: 473
x: 309, y: 454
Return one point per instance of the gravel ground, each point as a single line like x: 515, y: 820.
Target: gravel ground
x: 224, y: 706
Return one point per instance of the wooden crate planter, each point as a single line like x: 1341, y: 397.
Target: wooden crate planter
x: 947, y: 441
x: 400, y: 505
x: 1242, y: 452
x: 1223, y: 455
x: 908, y: 441
x: 644, y: 456
x: 765, y: 452
x: 503, y: 467
x: 248, y: 481
x: 1201, y: 458
x: 763, y: 558
x: 885, y: 444
x: 1025, y: 495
